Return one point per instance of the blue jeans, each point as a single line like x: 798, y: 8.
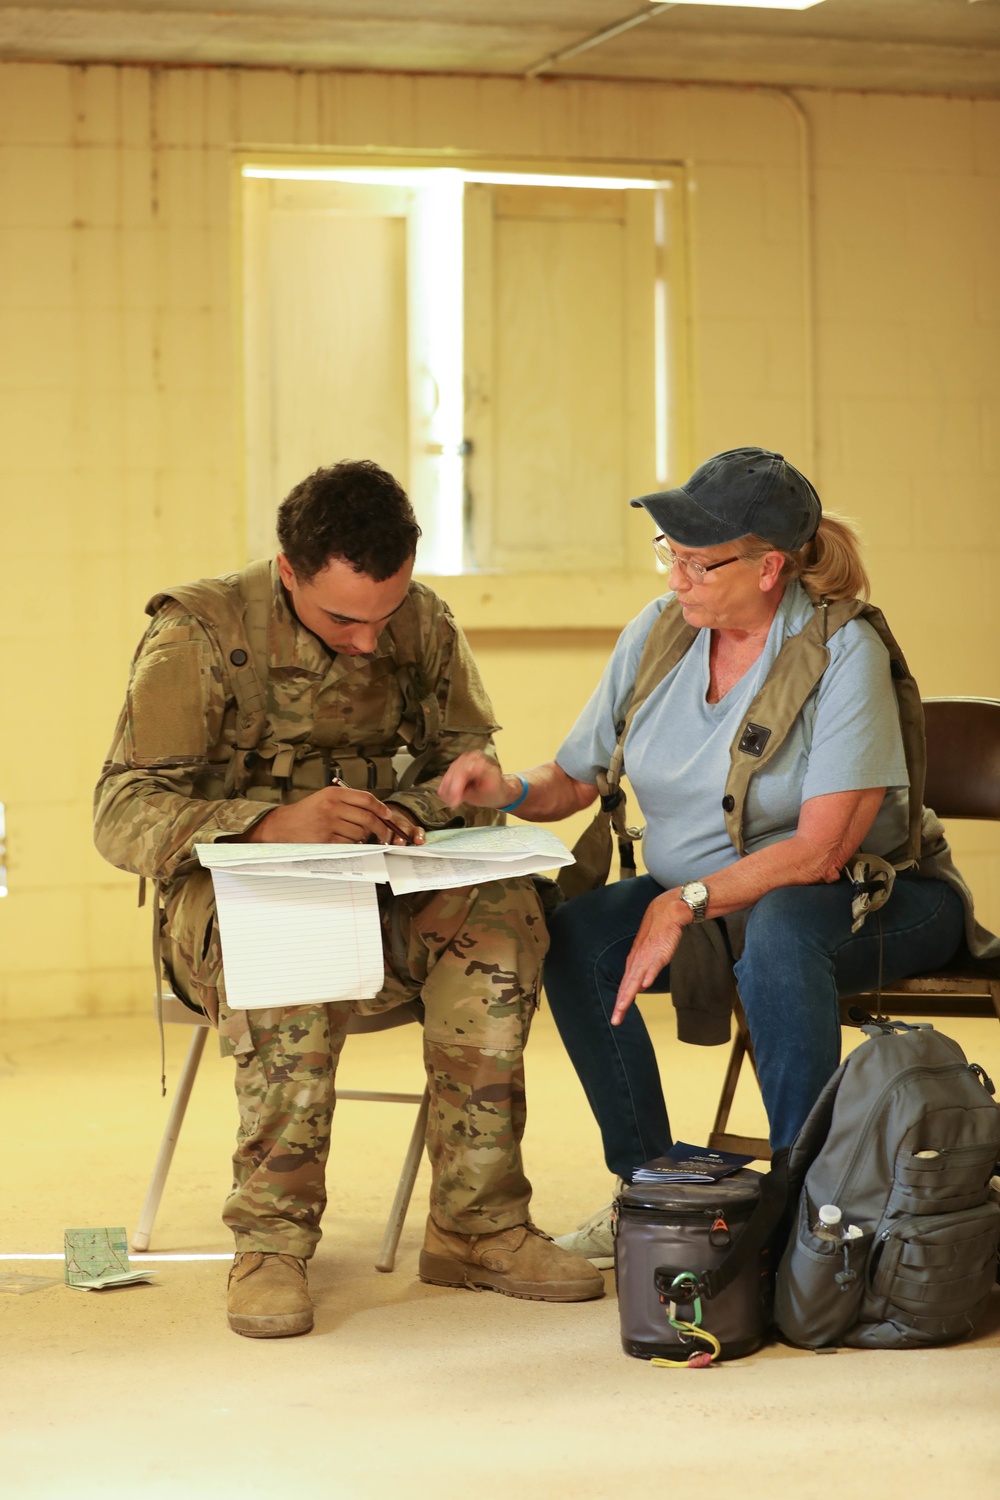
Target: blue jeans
x: 800, y: 957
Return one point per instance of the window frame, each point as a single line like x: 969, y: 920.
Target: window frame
x: 494, y: 598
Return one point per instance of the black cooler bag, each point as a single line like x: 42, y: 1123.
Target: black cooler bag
x: 667, y: 1229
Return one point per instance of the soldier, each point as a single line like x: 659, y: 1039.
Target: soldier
x: 268, y: 706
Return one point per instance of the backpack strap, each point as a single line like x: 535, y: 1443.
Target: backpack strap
x: 797, y: 669
x: 668, y: 640
x: 911, y: 722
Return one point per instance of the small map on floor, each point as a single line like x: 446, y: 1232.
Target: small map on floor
x: 98, y: 1258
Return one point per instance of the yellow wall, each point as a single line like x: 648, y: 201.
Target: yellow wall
x: 844, y: 308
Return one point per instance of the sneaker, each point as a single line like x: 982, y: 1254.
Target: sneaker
x: 268, y: 1295
x: 520, y: 1262
x: 594, y: 1239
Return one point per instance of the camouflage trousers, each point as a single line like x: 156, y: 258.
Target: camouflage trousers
x: 472, y: 956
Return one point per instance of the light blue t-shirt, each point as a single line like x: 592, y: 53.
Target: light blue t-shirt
x: 846, y: 738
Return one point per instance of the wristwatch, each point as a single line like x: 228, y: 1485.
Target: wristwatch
x: 695, y: 895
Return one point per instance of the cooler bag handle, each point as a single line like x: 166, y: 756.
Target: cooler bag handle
x: 761, y: 1228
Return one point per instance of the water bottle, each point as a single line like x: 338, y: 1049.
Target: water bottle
x: 829, y: 1224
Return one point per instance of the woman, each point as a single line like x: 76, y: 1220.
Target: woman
x: 749, y: 558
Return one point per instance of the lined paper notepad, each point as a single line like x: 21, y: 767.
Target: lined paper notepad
x: 297, y: 942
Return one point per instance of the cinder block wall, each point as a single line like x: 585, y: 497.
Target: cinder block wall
x: 844, y: 307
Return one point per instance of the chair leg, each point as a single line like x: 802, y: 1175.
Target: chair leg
x: 140, y: 1240
x: 720, y: 1138
x: 732, y: 1077
x: 386, y: 1257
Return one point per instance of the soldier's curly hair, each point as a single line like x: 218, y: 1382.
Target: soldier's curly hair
x: 354, y: 511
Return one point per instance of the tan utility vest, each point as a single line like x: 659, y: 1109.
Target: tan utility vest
x: 268, y: 768
x: 797, y: 669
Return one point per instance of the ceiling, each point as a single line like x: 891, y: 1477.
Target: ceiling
x: 927, y: 46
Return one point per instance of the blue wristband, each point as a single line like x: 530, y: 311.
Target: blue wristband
x: 525, y: 789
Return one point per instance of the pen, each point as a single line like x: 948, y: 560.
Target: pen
x: 399, y: 832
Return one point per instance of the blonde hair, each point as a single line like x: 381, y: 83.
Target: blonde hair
x: 828, y: 567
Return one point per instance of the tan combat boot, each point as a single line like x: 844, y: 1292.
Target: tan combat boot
x: 520, y: 1262
x: 268, y: 1295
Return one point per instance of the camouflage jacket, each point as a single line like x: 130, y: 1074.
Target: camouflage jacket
x: 163, y: 787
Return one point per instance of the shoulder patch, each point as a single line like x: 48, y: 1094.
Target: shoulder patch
x: 166, y: 702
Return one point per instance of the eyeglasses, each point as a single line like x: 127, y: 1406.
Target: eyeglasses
x: 695, y: 571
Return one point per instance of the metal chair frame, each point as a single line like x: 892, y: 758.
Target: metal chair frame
x: 175, y: 1011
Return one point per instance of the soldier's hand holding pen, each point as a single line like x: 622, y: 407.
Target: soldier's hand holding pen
x: 337, y: 814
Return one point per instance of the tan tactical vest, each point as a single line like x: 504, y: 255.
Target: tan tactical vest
x: 797, y: 669
x: 237, y: 609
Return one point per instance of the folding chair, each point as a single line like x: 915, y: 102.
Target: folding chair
x: 963, y: 781
x: 174, y: 1010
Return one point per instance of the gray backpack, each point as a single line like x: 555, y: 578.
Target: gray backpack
x: 903, y: 1140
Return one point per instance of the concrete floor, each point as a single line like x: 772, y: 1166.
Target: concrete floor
x: 405, y: 1389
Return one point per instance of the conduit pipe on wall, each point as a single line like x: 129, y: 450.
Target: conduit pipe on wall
x: 806, y: 218
x: 596, y: 38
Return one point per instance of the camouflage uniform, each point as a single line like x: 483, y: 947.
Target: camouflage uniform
x: 472, y: 956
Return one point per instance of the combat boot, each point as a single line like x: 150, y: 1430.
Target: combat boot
x: 268, y: 1296
x: 520, y: 1262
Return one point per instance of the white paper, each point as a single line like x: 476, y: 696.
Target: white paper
x: 492, y: 843
x: 465, y: 849
x: 225, y: 855
x: 297, y: 942
x: 369, y: 866
x: 471, y: 856
x: 406, y: 875
x: 299, y: 923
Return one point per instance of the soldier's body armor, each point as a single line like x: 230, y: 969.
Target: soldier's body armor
x: 293, y: 742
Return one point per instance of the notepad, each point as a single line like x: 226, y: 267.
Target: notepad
x: 297, y: 942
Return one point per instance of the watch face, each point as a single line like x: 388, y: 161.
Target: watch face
x: 696, y: 896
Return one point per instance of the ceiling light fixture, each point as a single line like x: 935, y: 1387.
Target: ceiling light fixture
x: 755, y: 4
